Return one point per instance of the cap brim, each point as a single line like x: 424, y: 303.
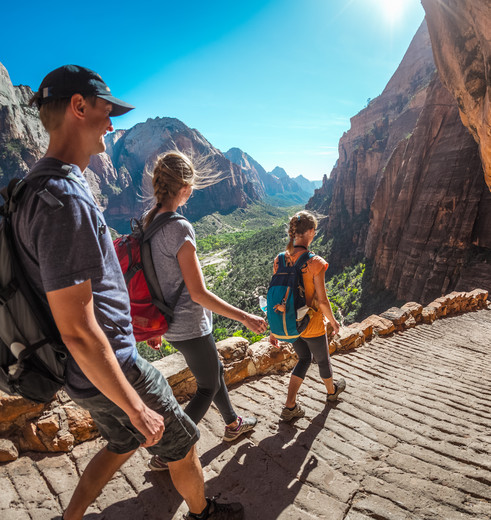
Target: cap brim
x: 119, y: 106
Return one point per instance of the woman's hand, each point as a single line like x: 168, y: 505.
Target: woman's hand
x: 335, y: 326
x: 254, y: 323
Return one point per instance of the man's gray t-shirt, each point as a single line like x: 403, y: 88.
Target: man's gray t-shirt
x: 191, y: 320
x: 66, y: 245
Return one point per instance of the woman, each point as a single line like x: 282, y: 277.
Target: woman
x: 313, y: 340
x: 175, y: 259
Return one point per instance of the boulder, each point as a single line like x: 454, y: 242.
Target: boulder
x: 80, y: 423
x: 397, y: 316
x: 429, y: 314
x: 8, y: 450
x: 381, y: 326
x: 415, y: 309
x: 348, y: 338
x: 366, y: 328
x: 13, y: 408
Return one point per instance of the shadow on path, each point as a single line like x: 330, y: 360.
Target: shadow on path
x: 267, y: 477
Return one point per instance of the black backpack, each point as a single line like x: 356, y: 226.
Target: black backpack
x: 32, y: 355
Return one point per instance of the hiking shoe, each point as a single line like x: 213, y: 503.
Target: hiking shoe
x: 215, y: 511
x: 339, y: 386
x: 245, y: 424
x: 157, y: 464
x: 288, y: 415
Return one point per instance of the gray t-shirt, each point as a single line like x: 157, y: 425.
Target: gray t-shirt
x: 64, y: 246
x: 191, y: 320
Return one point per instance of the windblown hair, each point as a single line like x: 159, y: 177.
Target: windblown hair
x: 299, y: 224
x: 173, y: 171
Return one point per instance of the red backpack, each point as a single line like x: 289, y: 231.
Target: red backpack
x: 150, y: 313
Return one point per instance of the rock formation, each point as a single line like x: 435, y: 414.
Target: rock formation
x: 461, y: 39
x: 407, y: 192
x: 23, y: 139
x: 423, y: 235
x: 133, y: 152
x: 365, y: 149
x: 276, y: 184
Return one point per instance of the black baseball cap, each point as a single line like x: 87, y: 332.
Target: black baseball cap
x: 68, y: 80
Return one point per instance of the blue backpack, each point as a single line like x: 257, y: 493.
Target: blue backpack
x: 287, y: 311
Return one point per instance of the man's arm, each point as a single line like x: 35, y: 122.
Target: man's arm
x: 73, y: 311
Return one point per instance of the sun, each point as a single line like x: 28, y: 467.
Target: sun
x: 392, y: 10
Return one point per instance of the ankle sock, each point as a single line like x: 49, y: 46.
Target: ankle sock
x: 291, y: 409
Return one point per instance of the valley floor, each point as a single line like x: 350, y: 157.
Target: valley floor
x: 409, y: 440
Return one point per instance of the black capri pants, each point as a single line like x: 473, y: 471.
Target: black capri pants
x: 319, y: 348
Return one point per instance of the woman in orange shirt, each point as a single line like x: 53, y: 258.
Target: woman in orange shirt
x: 313, y: 340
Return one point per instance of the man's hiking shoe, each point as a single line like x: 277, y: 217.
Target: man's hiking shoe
x: 215, y: 511
x: 289, y: 415
x: 245, y: 424
x: 157, y: 464
x: 339, y: 386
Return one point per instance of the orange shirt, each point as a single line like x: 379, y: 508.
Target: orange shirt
x: 314, y: 266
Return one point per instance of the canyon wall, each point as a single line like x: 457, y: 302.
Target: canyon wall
x: 364, y: 150
x: 461, y: 39
x: 408, y: 191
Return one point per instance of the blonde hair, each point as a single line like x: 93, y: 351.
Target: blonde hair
x: 173, y: 171
x: 299, y: 224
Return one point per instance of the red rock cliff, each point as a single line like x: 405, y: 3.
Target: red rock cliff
x: 461, y: 39
x: 408, y: 191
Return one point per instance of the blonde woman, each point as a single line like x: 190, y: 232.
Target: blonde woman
x: 313, y: 340
x: 175, y: 260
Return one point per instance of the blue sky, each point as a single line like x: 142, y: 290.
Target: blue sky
x: 277, y: 78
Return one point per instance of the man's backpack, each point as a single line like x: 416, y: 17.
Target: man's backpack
x: 150, y: 313
x: 32, y: 356
x: 288, y: 314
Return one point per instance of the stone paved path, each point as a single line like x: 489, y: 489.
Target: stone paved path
x: 410, y: 440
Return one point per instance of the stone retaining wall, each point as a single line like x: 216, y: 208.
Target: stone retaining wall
x: 60, y: 425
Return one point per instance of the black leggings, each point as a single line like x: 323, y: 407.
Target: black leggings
x: 202, y: 359
x: 305, y: 348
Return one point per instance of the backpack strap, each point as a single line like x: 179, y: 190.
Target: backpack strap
x: 15, y: 188
x: 149, y: 268
x: 303, y: 259
x: 281, y: 260
x: 160, y: 221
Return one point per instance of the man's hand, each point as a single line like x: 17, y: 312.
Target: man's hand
x: 274, y: 341
x: 150, y: 424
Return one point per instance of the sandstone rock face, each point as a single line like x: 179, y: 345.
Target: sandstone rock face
x: 407, y: 192
x: 365, y: 149
x: 52, y: 427
x: 427, y: 204
x: 23, y: 139
x: 461, y: 39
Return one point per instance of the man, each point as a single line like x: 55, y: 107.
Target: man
x: 66, y: 249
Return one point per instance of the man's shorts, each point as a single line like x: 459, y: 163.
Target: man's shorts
x: 115, y: 427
